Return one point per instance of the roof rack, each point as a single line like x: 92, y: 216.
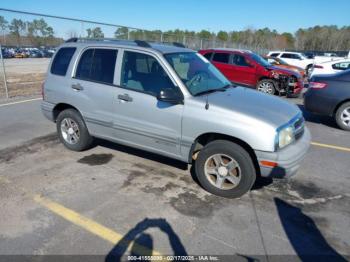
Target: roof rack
x: 140, y: 43
x: 137, y: 42
x: 178, y: 44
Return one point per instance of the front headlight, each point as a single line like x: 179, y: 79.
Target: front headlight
x: 285, y: 136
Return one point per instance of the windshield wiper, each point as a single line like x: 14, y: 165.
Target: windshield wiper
x: 228, y: 86
x: 221, y: 89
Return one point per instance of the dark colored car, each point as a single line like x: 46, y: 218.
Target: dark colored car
x: 35, y: 54
x: 249, y: 69
x: 330, y: 95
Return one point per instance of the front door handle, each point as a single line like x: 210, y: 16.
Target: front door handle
x: 125, y: 98
x: 77, y: 87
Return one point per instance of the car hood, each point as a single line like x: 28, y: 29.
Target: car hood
x: 254, y: 105
x: 282, y: 70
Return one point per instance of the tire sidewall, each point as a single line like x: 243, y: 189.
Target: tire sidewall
x: 235, y: 151
x: 85, y: 140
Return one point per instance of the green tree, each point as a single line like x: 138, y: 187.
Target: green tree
x: 3, y: 23
x: 17, y: 28
x: 205, y: 34
x: 95, y: 32
x: 121, y: 33
x: 39, y: 32
x: 222, y: 36
x: 3, y: 27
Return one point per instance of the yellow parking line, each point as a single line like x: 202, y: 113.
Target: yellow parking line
x: 331, y: 146
x: 91, y: 226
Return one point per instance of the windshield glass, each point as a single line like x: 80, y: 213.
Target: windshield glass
x: 260, y: 60
x: 196, y: 72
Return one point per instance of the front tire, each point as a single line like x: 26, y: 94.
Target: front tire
x: 72, y: 130
x: 225, y: 169
x: 342, y: 116
x: 266, y: 86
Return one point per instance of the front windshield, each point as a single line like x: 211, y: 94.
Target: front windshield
x: 196, y: 72
x: 279, y: 61
x: 260, y: 60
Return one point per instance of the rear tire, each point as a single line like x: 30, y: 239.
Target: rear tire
x: 225, y: 169
x: 342, y: 116
x: 266, y: 86
x: 72, y: 130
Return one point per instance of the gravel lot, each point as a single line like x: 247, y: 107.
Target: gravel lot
x: 120, y: 194
x: 24, y: 76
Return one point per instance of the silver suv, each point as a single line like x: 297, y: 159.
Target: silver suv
x: 170, y: 100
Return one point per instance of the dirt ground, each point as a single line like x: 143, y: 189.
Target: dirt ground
x: 24, y: 76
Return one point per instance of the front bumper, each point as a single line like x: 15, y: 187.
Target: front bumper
x: 288, y: 159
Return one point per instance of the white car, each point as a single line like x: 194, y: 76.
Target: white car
x: 330, y: 67
x: 293, y: 58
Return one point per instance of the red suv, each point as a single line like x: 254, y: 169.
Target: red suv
x: 249, y: 69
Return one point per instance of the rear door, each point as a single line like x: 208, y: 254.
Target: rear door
x: 92, y: 89
x: 245, y: 71
x: 221, y: 60
x: 141, y: 119
x: 292, y: 59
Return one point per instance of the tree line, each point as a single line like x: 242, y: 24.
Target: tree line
x: 321, y: 38
x: 29, y: 33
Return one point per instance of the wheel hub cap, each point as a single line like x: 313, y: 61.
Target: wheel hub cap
x: 222, y: 171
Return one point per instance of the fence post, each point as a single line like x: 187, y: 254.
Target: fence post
x: 128, y: 34
x: 161, y: 37
x: 4, y: 74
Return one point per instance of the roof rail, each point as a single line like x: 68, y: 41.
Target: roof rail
x: 72, y: 40
x: 178, y: 44
x: 140, y: 43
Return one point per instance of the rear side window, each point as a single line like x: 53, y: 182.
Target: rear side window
x: 274, y: 54
x: 97, y: 65
x: 208, y: 55
x: 291, y: 56
x: 61, y: 61
x: 221, y: 58
x: 341, y: 66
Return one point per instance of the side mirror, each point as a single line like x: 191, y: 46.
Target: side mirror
x: 170, y: 95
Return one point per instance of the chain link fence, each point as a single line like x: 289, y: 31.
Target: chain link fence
x: 26, y: 46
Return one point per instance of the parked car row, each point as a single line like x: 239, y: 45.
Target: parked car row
x: 10, y: 52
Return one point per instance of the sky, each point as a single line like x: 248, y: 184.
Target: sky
x: 212, y: 15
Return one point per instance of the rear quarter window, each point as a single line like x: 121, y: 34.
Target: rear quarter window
x: 61, y: 61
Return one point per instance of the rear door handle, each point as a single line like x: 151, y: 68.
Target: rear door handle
x: 125, y: 97
x: 77, y: 87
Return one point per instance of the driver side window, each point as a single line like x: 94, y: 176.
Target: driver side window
x: 141, y: 72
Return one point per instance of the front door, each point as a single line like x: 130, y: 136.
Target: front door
x: 142, y: 120
x: 245, y: 71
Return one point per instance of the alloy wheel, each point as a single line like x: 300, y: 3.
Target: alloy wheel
x: 222, y: 171
x: 345, y: 116
x: 70, y: 131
